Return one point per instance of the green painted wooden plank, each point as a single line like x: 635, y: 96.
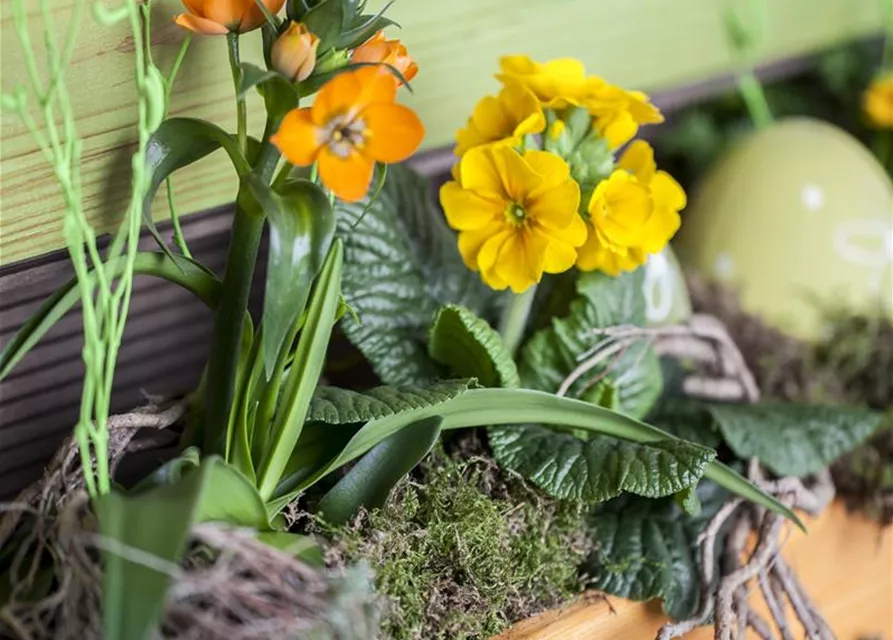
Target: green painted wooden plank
x: 647, y: 44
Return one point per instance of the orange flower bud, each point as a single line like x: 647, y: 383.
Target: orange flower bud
x: 219, y: 17
x: 392, y: 52
x: 294, y: 52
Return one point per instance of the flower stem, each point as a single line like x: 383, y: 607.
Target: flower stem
x: 514, y: 319
x: 755, y: 99
x: 228, y: 324
x: 232, y: 40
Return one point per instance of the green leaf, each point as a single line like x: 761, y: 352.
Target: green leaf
x: 317, y: 449
x: 599, y: 468
x: 602, y: 301
x: 231, y: 498
x: 648, y: 549
x: 180, y: 270
x: 471, y: 348
x: 790, y: 439
x: 369, y: 482
x: 252, y: 76
x: 304, y: 373
x: 302, y: 225
x: 302, y: 547
x: 335, y: 406
x: 476, y: 407
x: 177, y: 143
x: 154, y: 524
x: 365, y: 27
x: 687, y: 419
x: 326, y: 20
x: 401, y: 266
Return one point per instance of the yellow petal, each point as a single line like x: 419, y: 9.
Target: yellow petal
x: 638, y: 159
x: 520, y: 261
x: 466, y: 209
x: 551, y: 168
x: 574, y: 234
x: 470, y: 242
x: 490, y: 249
x: 619, y: 209
x: 559, y: 257
x: 557, y: 207
x: 661, y: 227
x: 668, y: 192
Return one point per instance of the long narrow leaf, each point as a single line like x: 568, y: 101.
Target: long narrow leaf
x: 370, y: 481
x: 177, y: 269
x: 512, y: 406
x: 303, y: 376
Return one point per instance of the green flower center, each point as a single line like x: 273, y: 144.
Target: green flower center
x: 515, y: 214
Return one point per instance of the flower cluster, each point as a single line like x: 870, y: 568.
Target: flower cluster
x: 878, y: 101
x: 354, y: 121
x: 537, y: 189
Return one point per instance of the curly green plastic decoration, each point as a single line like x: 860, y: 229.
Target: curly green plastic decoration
x: 105, y: 288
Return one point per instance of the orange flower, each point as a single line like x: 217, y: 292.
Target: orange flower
x: 294, y: 52
x: 392, y: 52
x: 352, y: 124
x: 219, y: 17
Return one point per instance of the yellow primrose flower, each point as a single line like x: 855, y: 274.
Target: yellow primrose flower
x: 618, y: 112
x: 877, y: 101
x: 508, y: 117
x: 557, y: 84
x: 516, y: 215
x: 632, y: 214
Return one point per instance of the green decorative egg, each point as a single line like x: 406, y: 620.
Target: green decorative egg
x: 666, y: 294
x: 796, y: 216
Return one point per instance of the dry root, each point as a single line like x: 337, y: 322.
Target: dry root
x: 722, y: 371
x: 724, y: 597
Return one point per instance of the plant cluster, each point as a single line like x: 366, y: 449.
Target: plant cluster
x: 544, y: 185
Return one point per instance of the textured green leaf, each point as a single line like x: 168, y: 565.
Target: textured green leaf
x: 649, y: 549
x: 369, y: 482
x: 332, y: 405
x: 475, y: 407
x: 401, y: 266
x: 594, y: 467
x: 687, y: 419
x: 600, y: 468
x: 790, y: 439
x: 302, y: 225
x: 554, y: 352
x: 471, y: 348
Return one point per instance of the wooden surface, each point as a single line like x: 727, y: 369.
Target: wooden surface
x: 845, y: 563
x: 650, y: 44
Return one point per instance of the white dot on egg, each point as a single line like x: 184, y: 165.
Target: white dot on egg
x: 813, y: 197
x: 724, y: 266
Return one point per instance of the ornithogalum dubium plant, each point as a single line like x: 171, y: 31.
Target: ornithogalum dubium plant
x: 547, y: 183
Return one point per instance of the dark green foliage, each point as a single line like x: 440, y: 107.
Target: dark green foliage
x: 648, y: 548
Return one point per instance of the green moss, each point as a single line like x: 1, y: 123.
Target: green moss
x: 466, y: 551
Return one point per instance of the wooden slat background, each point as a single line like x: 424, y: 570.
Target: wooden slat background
x: 649, y: 44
